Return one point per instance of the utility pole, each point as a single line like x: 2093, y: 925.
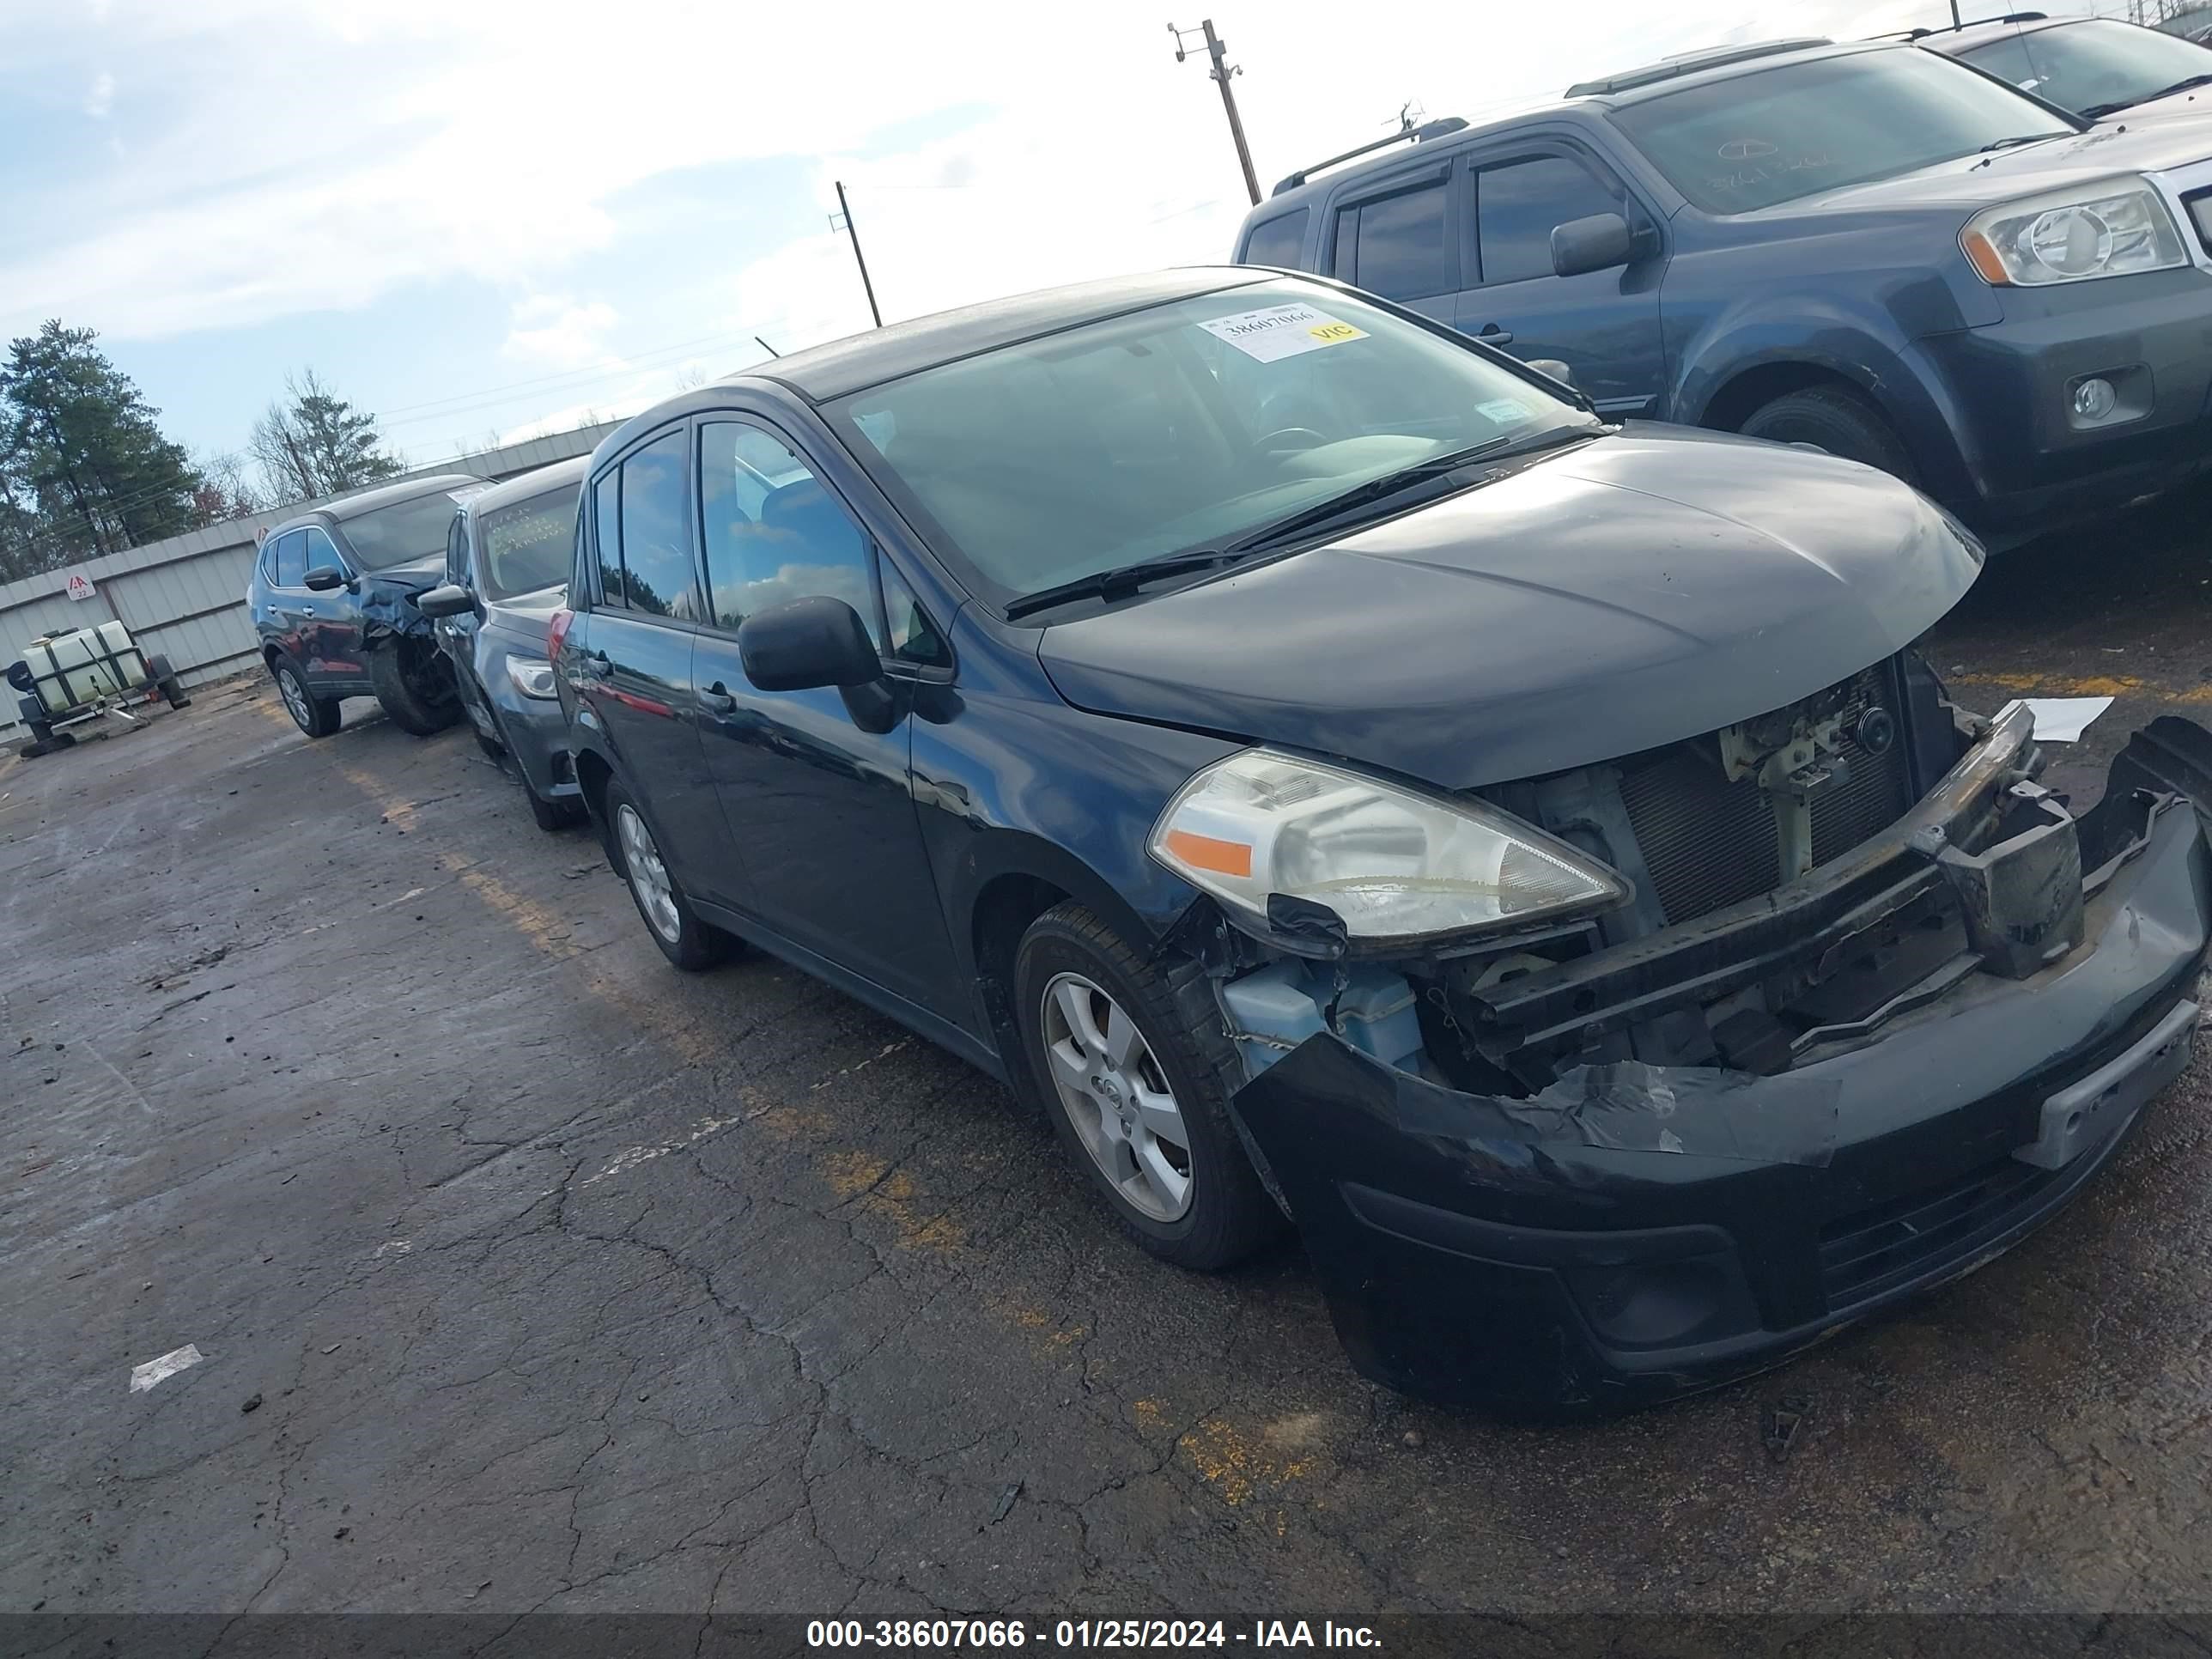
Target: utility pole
x: 845, y: 212
x: 1218, y: 51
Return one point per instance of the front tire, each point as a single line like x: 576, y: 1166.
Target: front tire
x: 317, y: 716
x: 1133, y: 1068
x: 690, y: 944
x: 1838, y: 420
x: 414, y: 683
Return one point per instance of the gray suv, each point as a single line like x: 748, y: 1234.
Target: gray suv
x: 1868, y: 247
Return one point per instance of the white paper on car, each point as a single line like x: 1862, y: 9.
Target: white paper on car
x: 1274, y: 332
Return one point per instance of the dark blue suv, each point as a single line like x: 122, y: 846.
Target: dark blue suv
x: 1866, y: 247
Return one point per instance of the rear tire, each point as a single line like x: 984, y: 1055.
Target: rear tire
x: 1195, y: 1201
x: 1838, y: 420
x: 690, y: 944
x: 317, y: 716
x: 414, y: 683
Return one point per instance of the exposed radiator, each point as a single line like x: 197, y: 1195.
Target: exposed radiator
x: 1708, y: 842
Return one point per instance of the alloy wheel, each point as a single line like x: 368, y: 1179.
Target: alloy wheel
x: 296, y: 699
x: 648, y: 876
x: 1117, y: 1097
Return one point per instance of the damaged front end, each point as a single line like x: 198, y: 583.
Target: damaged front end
x: 1877, y: 1005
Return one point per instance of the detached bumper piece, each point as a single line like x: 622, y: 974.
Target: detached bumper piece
x: 1629, y: 1233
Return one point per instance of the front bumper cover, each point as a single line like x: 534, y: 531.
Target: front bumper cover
x: 1633, y: 1232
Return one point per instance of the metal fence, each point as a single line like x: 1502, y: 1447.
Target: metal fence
x: 184, y: 597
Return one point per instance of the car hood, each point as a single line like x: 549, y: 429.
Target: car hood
x: 1971, y: 181
x: 526, y: 614
x: 415, y: 575
x: 1636, y: 591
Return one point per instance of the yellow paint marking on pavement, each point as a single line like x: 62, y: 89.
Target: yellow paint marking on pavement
x: 2092, y: 685
x: 1233, y: 1465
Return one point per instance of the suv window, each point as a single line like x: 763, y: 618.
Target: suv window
x: 791, y: 541
x: 1279, y: 241
x: 319, y: 552
x: 654, y: 576
x: 291, y: 563
x: 1752, y: 141
x: 1517, y: 203
x: 914, y: 638
x: 2007, y: 58
x: 1396, y: 243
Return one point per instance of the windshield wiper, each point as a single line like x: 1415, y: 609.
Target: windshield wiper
x: 1406, y: 478
x: 2098, y: 112
x: 1122, y: 579
x: 2024, y: 138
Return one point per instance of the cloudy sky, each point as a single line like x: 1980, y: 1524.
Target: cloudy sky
x: 483, y: 217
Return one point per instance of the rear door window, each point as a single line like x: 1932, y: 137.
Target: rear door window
x: 1278, y: 241
x: 1518, y: 203
x: 645, y: 553
x: 1396, y: 245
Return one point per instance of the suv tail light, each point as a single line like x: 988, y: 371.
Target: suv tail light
x: 556, y: 632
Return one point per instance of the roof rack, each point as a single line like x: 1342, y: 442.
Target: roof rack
x: 1689, y: 63
x: 1436, y: 129
x: 1972, y: 23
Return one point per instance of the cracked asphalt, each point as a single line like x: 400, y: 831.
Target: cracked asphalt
x: 564, y: 1282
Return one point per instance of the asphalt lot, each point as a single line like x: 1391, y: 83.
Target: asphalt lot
x: 563, y: 1281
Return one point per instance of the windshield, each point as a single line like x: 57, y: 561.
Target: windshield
x: 2094, y: 64
x: 1184, y: 425
x: 405, y: 531
x: 1752, y: 141
x: 527, y: 544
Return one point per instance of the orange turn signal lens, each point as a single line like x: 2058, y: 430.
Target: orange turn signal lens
x: 1224, y: 858
x: 1984, y: 258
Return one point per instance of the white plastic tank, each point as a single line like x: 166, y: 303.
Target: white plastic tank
x: 75, y: 668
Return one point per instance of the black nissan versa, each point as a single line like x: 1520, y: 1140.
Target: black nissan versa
x: 332, y: 599
x: 507, y: 565
x: 1334, y: 774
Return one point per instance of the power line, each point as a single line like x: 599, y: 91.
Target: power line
x: 845, y: 211
x: 559, y: 375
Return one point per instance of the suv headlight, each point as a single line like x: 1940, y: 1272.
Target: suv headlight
x: 1393, y: 864
x: 531, y: 676
x: 2113, y: 229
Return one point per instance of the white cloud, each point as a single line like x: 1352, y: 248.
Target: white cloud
x: 101, y: 100
x: 553, y: 329
x: 493, y: 140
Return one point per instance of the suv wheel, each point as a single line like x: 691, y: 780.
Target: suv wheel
x: 692, y: 945
x: 317, y: 716
x: 1838, y: 420
x: 414, y: 683
x: 1134, y: 1070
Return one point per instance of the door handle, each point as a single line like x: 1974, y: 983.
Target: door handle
x: 307, y: 610
x: 716, y: 701
x: 1493, y: 335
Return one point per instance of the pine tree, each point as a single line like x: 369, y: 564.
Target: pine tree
x: 313, y: 442
x: 84, y: 469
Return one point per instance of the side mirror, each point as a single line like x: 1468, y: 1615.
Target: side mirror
x: 447, y: 600
x: 805, y: 643
x: 1597, y: 243
x: 323, y: 578
x: 1552, y: 366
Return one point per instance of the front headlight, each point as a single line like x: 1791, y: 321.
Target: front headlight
x: 531, y: 676
x: 1392, y: 863
x: 2113, y: 229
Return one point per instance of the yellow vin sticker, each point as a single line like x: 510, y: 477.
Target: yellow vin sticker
x: 1277, y: 331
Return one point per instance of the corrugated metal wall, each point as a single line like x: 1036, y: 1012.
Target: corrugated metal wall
x: 184, y: 597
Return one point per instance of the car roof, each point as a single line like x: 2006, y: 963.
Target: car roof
x: 1619, y: 91
x: 846, y: 366
x: 535, y: 482
x: 367, y: 500
x: 1983, y: 31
